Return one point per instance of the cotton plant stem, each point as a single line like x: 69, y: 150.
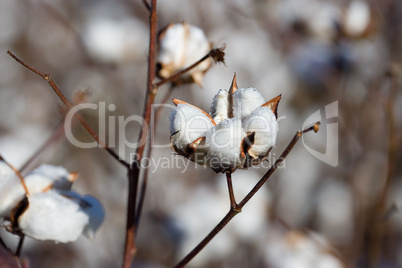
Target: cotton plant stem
x: 235, y: 210
x: 68, y: 104
x: 377, y: 227
x: 134, y: 170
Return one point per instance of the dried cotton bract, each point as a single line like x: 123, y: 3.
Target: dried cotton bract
x: 49, y: 210
x: 181, y: 45
x: 240, y: 132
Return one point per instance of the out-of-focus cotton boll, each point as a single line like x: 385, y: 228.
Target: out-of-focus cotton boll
x: 114, y: 41
x: 224, y: 142
x: 245, y: 100
x: 357, y: 18
x: 51, y: 216
x: 181, y: 45
x: 301, y: 251
x: 220, y: 106
x: 42, y: 178
x: 262, y: 122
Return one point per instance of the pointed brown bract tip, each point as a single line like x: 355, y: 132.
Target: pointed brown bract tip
x: 72, y: 176
x: 316, y: 127
x: 197, y: 77
x: 233, y: 86
x: 176, y: 102
x: 273, y: 104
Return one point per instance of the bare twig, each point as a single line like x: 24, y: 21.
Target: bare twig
x: 19, y: 247
x: 233, y: 204
x: 134, y: 171
x: 57, y: 90
x: 235, y: 210
x: 147, y: 6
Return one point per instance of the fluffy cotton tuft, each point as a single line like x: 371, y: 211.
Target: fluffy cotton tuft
x: 187, y: 124
x: 224, y: 142
x: 245, y: 100
x: 262, y: 122
x: 51, y: 216
x: 220, y: 106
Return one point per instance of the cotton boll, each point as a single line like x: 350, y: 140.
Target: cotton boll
x: 263, y: 123
x: 224, y: 142
x: 245, y: 100
x: 220, y: 105
x: 357, y: 18
x: 187, y: 124
x: 181, y: 45
x: 51, y: 216
x: 92, y: 207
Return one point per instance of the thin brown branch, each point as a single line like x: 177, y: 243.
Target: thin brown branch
x: 215, y: 53
x: 68, y: 104
x: 134, y: 171
x: 56, y: 135
x: 20, y: 244
x: 146, y: 4
x: 233, y: 204
x: 234, y: 211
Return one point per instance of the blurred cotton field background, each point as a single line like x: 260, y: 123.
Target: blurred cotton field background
x: 343, y: 213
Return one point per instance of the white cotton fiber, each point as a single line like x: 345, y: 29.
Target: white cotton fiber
x: 220, y: 105
x: 51, y: 216
x: 187, y: 123
x: 224, y: 141
x: 245, y: 100
x: 263, y: 122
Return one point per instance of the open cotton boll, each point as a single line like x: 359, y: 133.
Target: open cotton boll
x: 187, y: 124
x: 263, y: 123
x: 51, y: 216
x: 181, y: 45
x: 224, y: 142
x: 220, y: 105
x: 92, y: 207
x: 40, y: 179
x: 245, y: 101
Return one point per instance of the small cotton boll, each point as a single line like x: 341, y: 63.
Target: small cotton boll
x: 51, y: 216
x: 245, y: 101
x: 220, y: 105
x: 187, y: 124
x: 263, y: 122
x: 181, y: 45
x: 92, y: 207
x: 224, y: 142
x: 357, y: 18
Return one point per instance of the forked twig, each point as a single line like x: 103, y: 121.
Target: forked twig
x: 237, y: 208
x: 68, y: 104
